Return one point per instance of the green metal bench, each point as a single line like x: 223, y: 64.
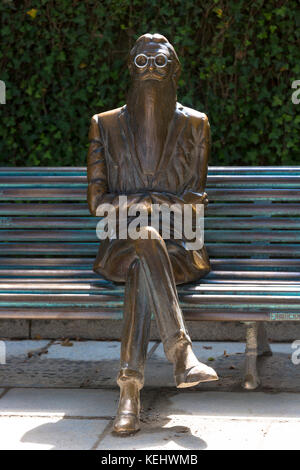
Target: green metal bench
x: 48, y: 245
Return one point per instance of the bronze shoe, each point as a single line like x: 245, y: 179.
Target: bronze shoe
x: 126, y: 424
x: 195, y: 375
x: 127, y: 419
x: 188, y: 371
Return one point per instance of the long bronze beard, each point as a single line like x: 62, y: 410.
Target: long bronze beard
x: 151, y: 106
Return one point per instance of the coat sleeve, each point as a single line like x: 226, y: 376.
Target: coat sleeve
x: 195, y: 191
x: 202, y: 142
x: 98, y: 191
x: 96, y: 168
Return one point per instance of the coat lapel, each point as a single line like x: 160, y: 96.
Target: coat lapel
x: 128, y: 140
x: 174, y: 132
x: 176, y: 127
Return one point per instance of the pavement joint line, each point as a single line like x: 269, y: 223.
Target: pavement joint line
x: 5, y: 391
x: 25, y: 415
x: 259, y: 419
x: 39, y: 351
x: 153, y: 349
x: 103, y: 434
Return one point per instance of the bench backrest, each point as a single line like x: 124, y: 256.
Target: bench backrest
x: 252, y: 221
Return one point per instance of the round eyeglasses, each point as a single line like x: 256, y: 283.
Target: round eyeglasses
x: 142, y: 60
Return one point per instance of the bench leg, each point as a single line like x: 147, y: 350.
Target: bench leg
x: 251, y: 379
x: 257, y: 344
x: 262, y: 340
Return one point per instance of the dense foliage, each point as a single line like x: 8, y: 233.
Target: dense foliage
x: 64, y: 60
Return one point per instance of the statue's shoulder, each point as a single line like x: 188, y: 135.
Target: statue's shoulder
x: 107, y: 116
x: 196, y: 117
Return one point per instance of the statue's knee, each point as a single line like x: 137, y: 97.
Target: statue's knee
x: 149, y: 233
x: 206, y: 268
x: 149, y: 242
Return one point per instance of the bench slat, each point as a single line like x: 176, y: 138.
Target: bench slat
x: 79, y: 313
x: 91, y: 222
x: 273, y: 302
x: 212, y: 170
x: 78, y: 194
x: 49, y: 222
x: 86, y: 263
x: 261, y: 209
x: 18, y: 287
x: 253, y: 181
x: 252, y: 223
x: 254, y: 170
x: 214, y: 209
x: 100, y: 282
x: 73, y: 181
x: 281, y: 236
x: 44, y: 209
x: 80, y: 263
x: 247, y: 249
x: 44, y: 180
x: 80, y: 273
x: 90, y: 249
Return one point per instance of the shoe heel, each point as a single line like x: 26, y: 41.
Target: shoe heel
x: 192, y: 377
x: 126, y: 424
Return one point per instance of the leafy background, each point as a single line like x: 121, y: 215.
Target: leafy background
x: 65, y: 60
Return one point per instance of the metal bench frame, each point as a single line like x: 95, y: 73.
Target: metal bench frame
x: 48, y: 244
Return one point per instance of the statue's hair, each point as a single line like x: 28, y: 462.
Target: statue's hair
x: 146, y: 38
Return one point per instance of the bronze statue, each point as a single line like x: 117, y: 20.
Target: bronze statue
x: 154, y: 151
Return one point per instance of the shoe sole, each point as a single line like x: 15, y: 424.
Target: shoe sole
x: 182, y: 382
x: 192, y: 384
x: 125, y: 433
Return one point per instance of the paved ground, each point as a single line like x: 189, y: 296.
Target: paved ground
x: 94, y: 364
x: 62, y: 395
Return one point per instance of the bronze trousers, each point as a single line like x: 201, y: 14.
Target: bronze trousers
x: 150, y: 288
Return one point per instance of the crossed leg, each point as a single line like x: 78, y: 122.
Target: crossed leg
x: 150, y: 287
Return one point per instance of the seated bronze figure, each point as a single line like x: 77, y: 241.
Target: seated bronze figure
x: 153, y: 150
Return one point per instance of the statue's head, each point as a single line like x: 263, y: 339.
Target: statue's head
x: 153, y: 58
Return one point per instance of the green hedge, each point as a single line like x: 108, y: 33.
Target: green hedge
x: 64, y: 60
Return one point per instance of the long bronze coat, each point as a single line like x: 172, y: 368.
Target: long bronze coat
x: 114, y: 168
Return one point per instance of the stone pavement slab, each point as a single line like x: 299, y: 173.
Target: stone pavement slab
x: 88, y: 364
x: 205, y: 350
x: 250, y: 405
x: 192, y: 434
x: 24, y: 347
x: 277, y: 373
x: 90, y: 351
x: 59, y: 402
x: 191, y: 420
x: 282, y: 435
x: 36, y: 433
x: 215, y: 420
